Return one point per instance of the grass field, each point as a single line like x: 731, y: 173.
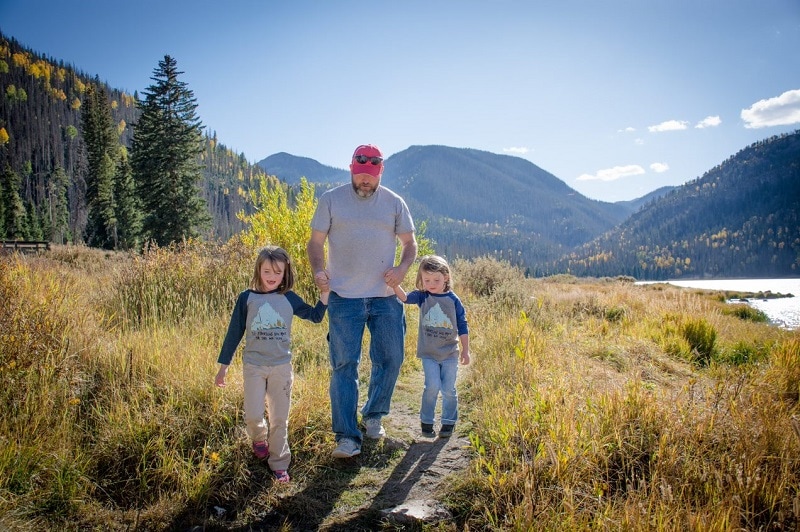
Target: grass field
x: 591, y: 404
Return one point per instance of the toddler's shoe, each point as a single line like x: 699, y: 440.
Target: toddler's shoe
x: 260, y: 449
x: 446, y: 431
x: 427, y: 430
x: 281, y: 476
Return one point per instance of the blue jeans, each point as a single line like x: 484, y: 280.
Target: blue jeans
x: 440, y: 377
x: 386, y: 320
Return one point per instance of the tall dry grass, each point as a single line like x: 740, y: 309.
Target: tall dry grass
x: 628, y: 407
x: 591, y: 404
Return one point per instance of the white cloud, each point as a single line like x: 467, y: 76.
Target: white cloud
x: 516, y: 151
x: 639, y: 142
x: 669, y: 125
x: 612, y: 174
x: 628, y: 129
x: 709, y: 121
x: 782, y: 110
x: 659, y: 168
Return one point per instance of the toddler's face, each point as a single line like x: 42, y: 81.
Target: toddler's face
x: 434, y: 282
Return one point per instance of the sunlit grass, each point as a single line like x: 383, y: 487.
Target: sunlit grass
x: 592, y: 404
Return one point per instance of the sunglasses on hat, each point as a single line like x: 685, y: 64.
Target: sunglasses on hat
x: 362, y: 159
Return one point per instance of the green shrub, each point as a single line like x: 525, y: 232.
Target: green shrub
x: 746, y: 312
x: 742, y: 353
x: 701, y: 337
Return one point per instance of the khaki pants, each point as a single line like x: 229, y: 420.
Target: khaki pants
x: 273, y: 383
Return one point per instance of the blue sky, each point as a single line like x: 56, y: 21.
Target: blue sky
x: 616, y: 98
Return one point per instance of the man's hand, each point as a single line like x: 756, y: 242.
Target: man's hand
x: 394, y: 276
x: 323, y: 280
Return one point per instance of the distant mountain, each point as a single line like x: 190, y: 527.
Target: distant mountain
x: 740, y: 219
x: 476, y: 202
x: 290, y: 168
x: 635, y: 204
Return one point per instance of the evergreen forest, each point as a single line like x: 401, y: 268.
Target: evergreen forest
x: 68, y: 160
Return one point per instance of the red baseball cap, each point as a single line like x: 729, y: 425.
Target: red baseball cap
x: 371, y: 151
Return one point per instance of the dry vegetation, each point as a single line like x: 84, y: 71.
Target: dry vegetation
x: 590, y: 404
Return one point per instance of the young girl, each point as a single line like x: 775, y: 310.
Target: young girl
x: 442, y: 323
x: 264, y: 312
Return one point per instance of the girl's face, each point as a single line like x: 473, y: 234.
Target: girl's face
x: 433, y: 282
x: 272, y: 274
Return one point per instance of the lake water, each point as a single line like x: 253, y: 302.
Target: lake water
x: 784, y: 312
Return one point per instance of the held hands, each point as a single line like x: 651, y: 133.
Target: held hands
x: 323, y: 280
x: 394, y: 276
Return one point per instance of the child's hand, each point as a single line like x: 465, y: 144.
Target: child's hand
x: 464, y: 357
x: 219, y: 380
x: 323, y: 280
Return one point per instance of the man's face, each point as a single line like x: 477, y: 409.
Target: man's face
x: 366, y: 170
x: 365, y: 185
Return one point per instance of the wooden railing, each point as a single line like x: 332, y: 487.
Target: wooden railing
x: 24, y: 245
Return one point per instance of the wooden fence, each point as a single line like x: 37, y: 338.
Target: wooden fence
x: 24, y: 245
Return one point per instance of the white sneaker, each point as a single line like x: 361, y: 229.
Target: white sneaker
x: 374, y: 428
x: 346, y: 448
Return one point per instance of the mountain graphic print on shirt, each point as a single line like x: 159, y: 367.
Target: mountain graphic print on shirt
x: 442, y: 320
x: 268, y: 324
x: 436, y: 318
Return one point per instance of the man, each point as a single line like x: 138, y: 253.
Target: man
x: 362, y: 223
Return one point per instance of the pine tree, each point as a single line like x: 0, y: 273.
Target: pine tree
x: 167, y: 142
x: 2, y: 210
x: 32, y: 223
x: 59, y: 207
x: 15, y: 216
x: 128, y: 212
x: 101, y: 145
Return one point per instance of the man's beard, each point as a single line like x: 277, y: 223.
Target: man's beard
x: 365, y: 191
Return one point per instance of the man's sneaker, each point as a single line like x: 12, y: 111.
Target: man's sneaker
x: 347, y: 448
x: 446, y: 431
x: 427, y: 430
x: 260, y: 449
x: 281, y: 476
x: 374, y: 428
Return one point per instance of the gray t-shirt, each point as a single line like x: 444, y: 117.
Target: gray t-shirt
x: 362, y: 238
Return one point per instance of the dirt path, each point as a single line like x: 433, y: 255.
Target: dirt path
x: 405, y: 490
x: 410, y: 493
x: 395, y: 483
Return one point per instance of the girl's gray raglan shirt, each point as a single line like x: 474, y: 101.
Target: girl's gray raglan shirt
x: 266, y: 320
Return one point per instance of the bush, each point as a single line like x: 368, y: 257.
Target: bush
x: 746, y: 312
x: 743, y: 353
x: 701, y: 337
x: 484, y: 275
x: 184, y: 281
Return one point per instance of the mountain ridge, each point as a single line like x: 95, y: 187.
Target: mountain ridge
x: 473, y: 203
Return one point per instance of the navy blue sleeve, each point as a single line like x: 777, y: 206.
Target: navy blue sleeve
x: 301, y: 309
x: 461, y: 317
x: 236, y: 329
x: 415, y: 297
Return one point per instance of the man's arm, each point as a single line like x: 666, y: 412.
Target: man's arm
x: 316, y: 258
x: 394, y: 276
